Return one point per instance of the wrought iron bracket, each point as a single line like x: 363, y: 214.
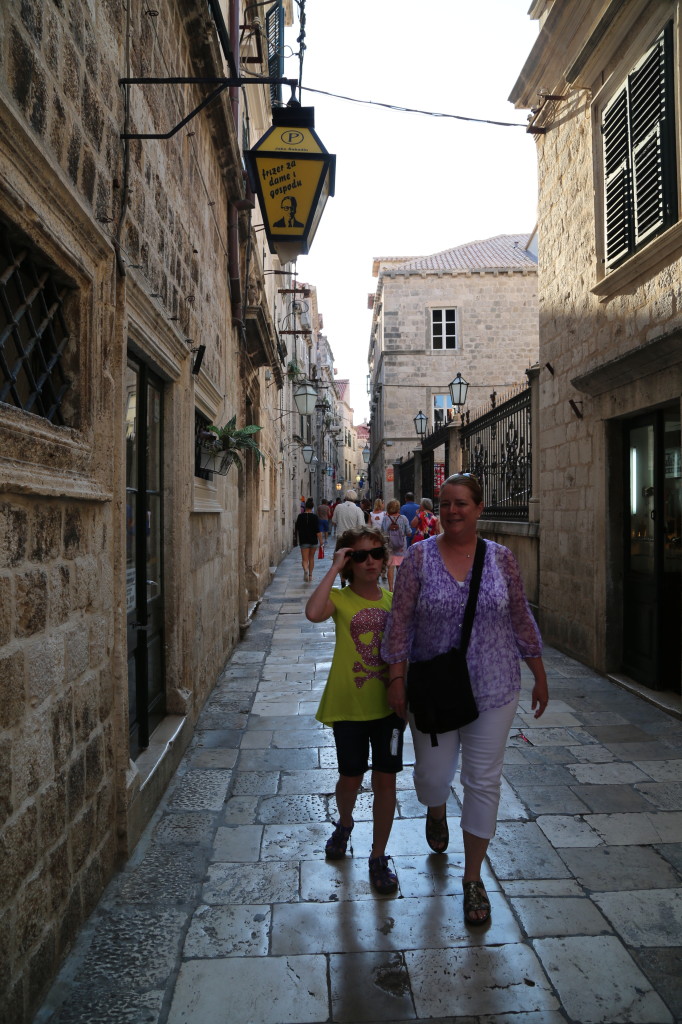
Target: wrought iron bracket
x: 220, y: 85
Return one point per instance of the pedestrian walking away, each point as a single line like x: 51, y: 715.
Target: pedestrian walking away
x: 306, y: 530
x: 354, y: 700
x: 409, y: 510
x: 397, y: 531
x: 424, y: 524
x: 347, y: 514
x: 426, y: 621
x: 323, y: 515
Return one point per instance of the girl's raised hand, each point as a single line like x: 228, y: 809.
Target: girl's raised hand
x: 341, y: 557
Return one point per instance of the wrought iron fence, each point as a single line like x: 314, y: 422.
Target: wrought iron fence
x: 497, y: 449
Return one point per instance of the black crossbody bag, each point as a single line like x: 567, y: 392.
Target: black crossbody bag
x: 439, y: 690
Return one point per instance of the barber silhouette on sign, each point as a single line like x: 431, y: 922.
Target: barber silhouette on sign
x: 289, y: 205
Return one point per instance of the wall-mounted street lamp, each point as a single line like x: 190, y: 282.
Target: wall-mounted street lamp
x: 420, y: 422
x: 458, y: 390
x: 366, y: 453
x: 308, y: 453
x: 305, y: 397
x: 293, y: 175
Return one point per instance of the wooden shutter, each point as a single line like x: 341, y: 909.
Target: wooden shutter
x: 617, y: 179
x: 274, y: 29
x: 638, y: 129
x: 651, y: 121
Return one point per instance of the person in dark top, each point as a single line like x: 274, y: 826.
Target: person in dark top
x: 307, y: 525
x: 409, y: 510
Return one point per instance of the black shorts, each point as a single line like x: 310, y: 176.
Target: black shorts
x: 353, y: 741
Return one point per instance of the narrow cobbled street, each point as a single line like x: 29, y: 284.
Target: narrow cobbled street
x: 228, y: 911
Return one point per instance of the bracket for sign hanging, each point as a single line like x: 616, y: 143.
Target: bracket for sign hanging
x: 220, y: 85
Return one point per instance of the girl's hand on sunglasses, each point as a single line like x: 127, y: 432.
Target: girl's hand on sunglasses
x: 341, y: 557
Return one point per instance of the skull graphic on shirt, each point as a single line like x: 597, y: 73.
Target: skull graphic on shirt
x: 366, y: 630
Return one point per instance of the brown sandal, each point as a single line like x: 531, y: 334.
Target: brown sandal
x: 475, y: 898
x: 437, y: 832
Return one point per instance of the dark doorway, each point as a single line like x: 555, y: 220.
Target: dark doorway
x: 144, y: 563
x: 653, y: 550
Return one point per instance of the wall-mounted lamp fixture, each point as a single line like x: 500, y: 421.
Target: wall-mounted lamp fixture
x: 198, y: 358
x: 366, y: 453
x: 305, y: 397
x: 308, y: 452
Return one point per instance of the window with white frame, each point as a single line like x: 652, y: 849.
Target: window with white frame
x: 443, y: 410
x: 640, y: 177
x: 444, y: 328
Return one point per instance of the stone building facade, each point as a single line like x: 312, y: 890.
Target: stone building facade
x: 472, y: 310
x: 603, y: 84
x: 134, y: 311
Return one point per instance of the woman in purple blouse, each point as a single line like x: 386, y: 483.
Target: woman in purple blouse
x: 426, y: 620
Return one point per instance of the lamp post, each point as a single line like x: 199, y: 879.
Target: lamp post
x: 458, y: 391
x: 420, y: 422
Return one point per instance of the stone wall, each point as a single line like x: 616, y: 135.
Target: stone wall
x: 139, y: 234
x: 586, y: 323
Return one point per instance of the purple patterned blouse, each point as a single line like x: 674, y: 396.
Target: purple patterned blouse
x: 426, y: 619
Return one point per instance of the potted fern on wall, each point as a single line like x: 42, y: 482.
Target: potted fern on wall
x: 219, y: 447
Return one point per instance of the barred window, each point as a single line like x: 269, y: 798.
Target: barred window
x: 37, y: 342
x: 444, y: 328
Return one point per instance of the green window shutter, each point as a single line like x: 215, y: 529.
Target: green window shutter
x: 617, y: 178
x: 274, y: 30
x: 638, y: 129
x: 652, y: 131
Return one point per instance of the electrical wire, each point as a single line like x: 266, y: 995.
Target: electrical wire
x: 413, y: 110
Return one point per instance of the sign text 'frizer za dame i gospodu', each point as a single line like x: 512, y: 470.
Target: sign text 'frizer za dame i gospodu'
x: 293, y: 175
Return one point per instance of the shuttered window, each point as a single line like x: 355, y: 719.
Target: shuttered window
x: 274, y: 29
x: 638, y: 129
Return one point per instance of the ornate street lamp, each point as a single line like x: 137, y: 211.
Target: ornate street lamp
x: 366, y: 453
x: 458, y: 390
x: 308, y: 452
x: 420, y: 422
x: 293, y: 175
x: 305, y: 396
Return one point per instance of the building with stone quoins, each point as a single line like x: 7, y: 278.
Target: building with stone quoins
x: 603, y: 82
x: 134, y: 312
x: 472, y: 310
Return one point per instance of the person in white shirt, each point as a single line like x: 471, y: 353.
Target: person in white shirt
x: 348, y: 515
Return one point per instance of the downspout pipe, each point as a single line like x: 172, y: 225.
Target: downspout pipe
x: 232, y: 212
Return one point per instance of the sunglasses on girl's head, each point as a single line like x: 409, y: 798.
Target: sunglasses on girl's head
x: 362, y: 556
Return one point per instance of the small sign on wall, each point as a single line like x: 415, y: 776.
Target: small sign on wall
x: 389, y: 474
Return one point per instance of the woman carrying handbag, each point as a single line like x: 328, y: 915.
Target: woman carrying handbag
x: 426, y: 622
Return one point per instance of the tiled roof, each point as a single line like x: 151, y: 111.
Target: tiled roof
x: 502, y: 252
x: 341, y: 388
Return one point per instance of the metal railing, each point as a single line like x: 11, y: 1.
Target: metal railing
x: 497, y: 449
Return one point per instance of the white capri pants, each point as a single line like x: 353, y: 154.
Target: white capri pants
x: 482, y: 744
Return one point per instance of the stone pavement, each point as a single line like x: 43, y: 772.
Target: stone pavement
x: 228, y: 912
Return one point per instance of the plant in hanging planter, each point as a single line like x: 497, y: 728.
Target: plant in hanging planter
x: 221, y: 446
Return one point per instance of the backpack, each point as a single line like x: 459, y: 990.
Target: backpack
x: 395, y: 535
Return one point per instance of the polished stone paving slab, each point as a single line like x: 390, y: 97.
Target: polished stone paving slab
x: 227, y: 911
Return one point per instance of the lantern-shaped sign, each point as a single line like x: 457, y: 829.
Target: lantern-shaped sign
x: 292, y: 174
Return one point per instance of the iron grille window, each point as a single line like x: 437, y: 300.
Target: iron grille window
x: 444, y: 328
x: 34, y: 333
x: 201, y: 424
x: 274, y: 30
x: 638, y: 129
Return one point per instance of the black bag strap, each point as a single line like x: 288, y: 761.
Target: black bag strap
x: 470, y: 610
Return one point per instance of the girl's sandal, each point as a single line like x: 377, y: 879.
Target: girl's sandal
x: 437, y: 833
x: 384, y: 881
x: 475, y: 899
x: 336, y: 845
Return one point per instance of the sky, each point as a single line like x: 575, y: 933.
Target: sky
x: 409, y: 184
